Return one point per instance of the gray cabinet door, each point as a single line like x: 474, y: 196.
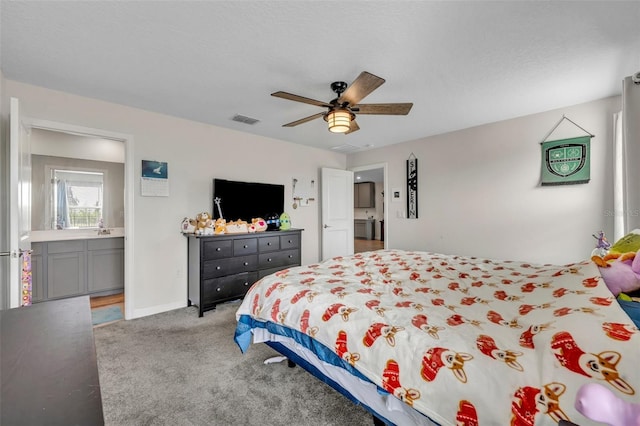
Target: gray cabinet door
x: 363, y: 228
x: 37, y: 273
x: 105, y: 264
x: 65, y: 274
x: 106, y: 270
x: 364, y: 195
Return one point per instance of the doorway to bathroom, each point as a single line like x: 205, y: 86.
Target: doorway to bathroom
x: 90, y: 196
x: 369, y: 207
x: 77, y: 215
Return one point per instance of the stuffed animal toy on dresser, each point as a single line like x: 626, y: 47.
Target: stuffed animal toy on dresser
x: 188, y: 226
x: 259, y: 223
x: 237, y: 227
x: 285, y: 222
x: 204, y: 224
x: 220, y: 226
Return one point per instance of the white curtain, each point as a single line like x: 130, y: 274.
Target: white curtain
x: 62, y: 206
x: 618, y: 193
x: 629, y: 168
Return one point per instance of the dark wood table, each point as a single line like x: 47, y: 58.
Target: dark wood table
x: 48, y: 366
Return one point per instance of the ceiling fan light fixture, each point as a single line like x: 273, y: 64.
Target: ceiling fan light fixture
x: 340, y: 114
x: 339, y: 120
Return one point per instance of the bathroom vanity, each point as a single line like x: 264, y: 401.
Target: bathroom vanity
x: 68, y: 263
x: 364, y: 228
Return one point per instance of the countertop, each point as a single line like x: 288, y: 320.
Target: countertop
x: 73, y: 234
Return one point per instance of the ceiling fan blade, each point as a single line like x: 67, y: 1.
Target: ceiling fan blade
x: 364, y: 84
x: 292, y: 97
x: 304, y: 120
x: 383, y: 109
x: 353, y: 127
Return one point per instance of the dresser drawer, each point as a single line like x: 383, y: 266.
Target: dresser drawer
x: 289, y: 241
x: 228, y: 287
x: 216, y: 249
x: 234, y: 265
x: 245, y: 246
x: 281, y: 258
x: 269, y: 243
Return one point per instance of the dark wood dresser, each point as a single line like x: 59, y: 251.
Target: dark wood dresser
x: 223, y: 267
x: 48, y: 365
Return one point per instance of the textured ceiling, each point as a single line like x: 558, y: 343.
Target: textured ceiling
x: 462, y: 63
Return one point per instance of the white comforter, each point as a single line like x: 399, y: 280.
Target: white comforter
x: 463, y: 340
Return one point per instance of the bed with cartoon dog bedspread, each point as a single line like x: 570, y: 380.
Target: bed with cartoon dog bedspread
x: 462, y: 340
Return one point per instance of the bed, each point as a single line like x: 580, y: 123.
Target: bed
x: 422, y: 338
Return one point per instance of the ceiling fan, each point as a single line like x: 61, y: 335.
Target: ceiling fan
x: 341, y: 111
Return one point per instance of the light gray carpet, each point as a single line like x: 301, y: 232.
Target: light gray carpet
x: 177, y: 369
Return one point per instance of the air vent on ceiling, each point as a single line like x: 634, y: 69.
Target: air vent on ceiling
x: 345, y: 148
x: 244, y: 119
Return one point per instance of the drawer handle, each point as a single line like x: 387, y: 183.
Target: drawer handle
x: 217, y: 268
x: 290, y: 241
x: 290, y: 256
x: 246, y: 284
x: 218, y: 249
x: 268, y: 244
x: 245, y: 246
x: 269, y: 260
x: 218, y: 289
x: 246, y: 263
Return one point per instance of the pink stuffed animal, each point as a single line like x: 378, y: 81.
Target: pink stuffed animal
x: 598, y: 403
x: 622, y: 275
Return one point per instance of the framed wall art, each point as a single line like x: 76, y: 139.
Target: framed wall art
x: 566, y: 161
x: 412, y: 187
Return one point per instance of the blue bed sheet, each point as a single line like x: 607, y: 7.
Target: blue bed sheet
x: 632, y: 309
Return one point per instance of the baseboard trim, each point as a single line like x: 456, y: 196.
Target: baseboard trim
x: 145, y: 312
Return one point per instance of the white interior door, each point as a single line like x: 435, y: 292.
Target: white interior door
x: 337, y: 213
x: 20, y: 199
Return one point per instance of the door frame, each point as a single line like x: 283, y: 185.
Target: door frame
x: 129, y: 192
x: 19, y: 223
x: 385, y: 210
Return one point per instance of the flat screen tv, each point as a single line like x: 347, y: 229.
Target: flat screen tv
x: 247, y: 200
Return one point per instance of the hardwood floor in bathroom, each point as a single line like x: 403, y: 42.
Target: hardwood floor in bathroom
x: 113, y: 299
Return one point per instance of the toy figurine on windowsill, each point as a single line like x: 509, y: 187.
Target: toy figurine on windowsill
x: 602, y: 246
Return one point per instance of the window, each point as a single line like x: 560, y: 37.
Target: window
x: 77, y: 198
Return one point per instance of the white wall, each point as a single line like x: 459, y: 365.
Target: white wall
x: 57, y: 144
x: 196, y: 153
x: 479, y: 190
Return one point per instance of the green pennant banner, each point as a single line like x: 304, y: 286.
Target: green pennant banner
x: 566, y: 161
